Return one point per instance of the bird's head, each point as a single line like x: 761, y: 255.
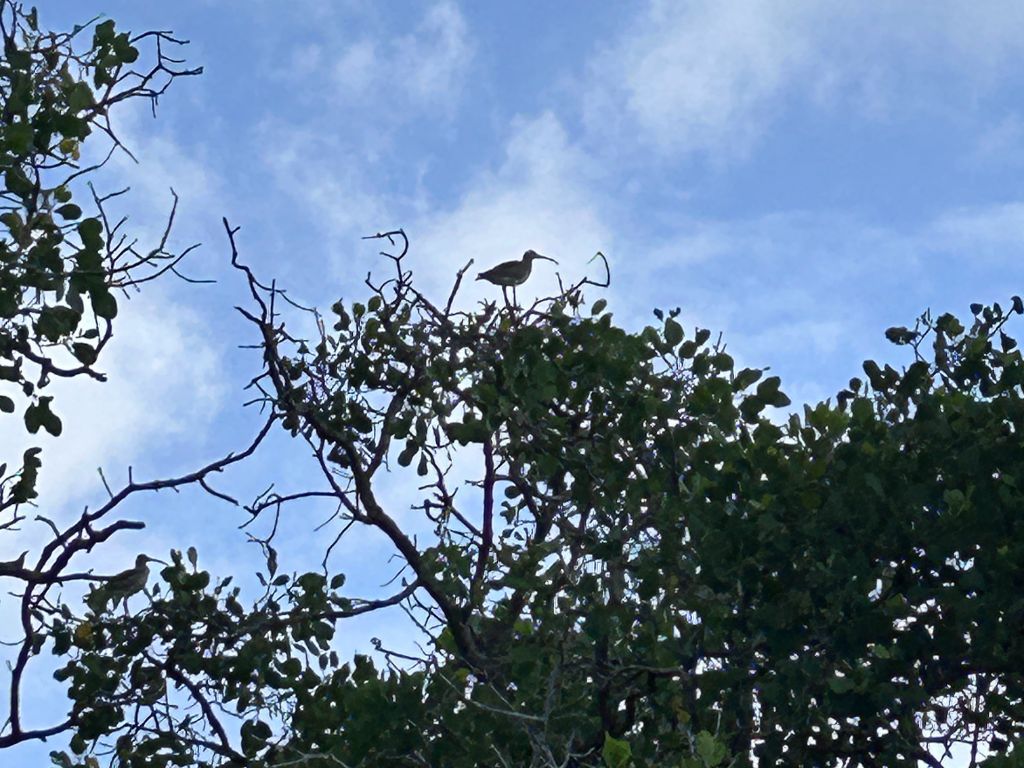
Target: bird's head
x: 141, y: 560
x: 531, y: 255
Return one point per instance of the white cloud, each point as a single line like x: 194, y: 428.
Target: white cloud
x: 425, y: 68
x: 695, y: 76
x: 163, y: 386
x: 436, y: 57
x: 357, y: 68
x: 375, y: 85
x: 340, y: 189
x: 994, y: 232
x: 706, y: 77
x: 161, y: 163
x: 162, y: 381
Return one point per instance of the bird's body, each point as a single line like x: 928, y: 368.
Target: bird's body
x: 509, y: 274
x: 123, y: 585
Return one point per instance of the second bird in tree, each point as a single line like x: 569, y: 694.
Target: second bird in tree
x: 122, y: 586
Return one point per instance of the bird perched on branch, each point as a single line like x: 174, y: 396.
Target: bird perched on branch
x: 123, y: 585
x: 512, y: 273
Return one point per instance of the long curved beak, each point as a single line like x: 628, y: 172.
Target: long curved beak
x: 546, y: 258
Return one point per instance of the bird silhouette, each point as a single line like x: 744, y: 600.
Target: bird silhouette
x: 122, y: 585
x: 509, y: 274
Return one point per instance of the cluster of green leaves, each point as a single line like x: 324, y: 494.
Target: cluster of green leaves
x: 52, y: 271
x: 252, y: 661
x: 56, y: 278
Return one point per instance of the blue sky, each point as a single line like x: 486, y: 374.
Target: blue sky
x: 799, y: 176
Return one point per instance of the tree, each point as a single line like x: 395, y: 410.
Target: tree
x: 650, y: 571
x: 648, y: 567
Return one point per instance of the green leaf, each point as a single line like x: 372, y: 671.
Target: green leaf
x: 104, y: 33
x: 55, y: 323
x: 19, y: 137
x: 78, y: 744
x: 104, y: 304
x: 33, y: 418
x: 12, y: 221
x: 673, y: 332
x: 91, y: 232
x: 616, y: 753
x: 745, y: 378
x: 841, y: 684
x: 471, y: 430
x: 18, y: 183
x: 80, y: 97
x: 768, y: 392
x: 900, y: 335
x: 84, y: 353
x: 711, y: 751
x: 949, y: 325
x: 872, y: 482
x: 6, y: 404
x: 406, y: 456
x: 69, y: 211
x: 126, y: 53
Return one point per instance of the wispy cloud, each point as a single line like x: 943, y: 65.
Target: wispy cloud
x: 162, y: 381
x: 994, y: 233
x: 811, y: 292
x: 1001, y: 144
x: 434, y: 60
x: 422, y: 69
x: 696, y: 76
x: 711, y: 78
